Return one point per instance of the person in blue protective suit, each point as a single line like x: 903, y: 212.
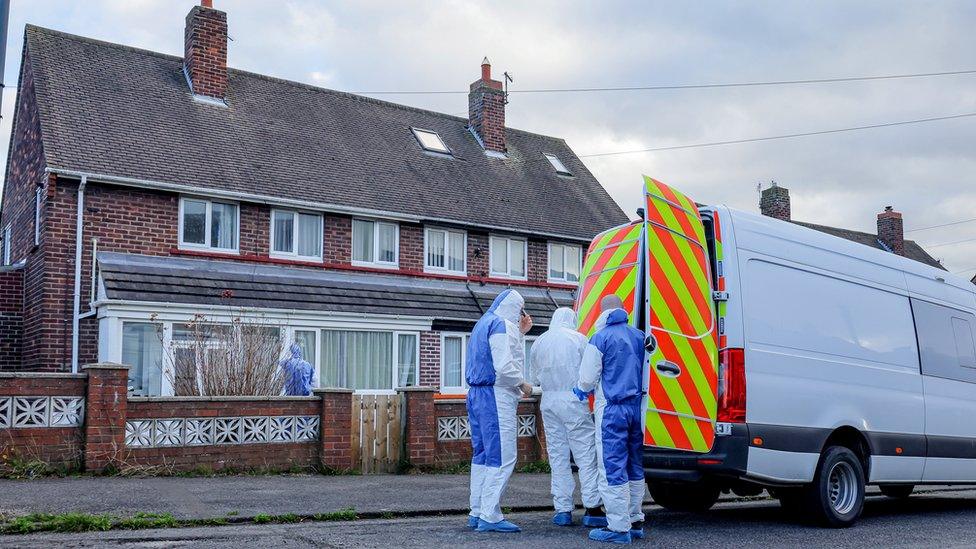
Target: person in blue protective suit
x: 493, y: 370
x: 612, y: 369
x: 555, y: 365
x: 298, y: 373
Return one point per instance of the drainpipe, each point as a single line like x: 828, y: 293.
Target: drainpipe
x: 78, y: 245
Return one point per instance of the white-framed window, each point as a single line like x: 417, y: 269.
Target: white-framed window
x: 296, y: 235
x: 6, y: 245
x: 445, y: 251
x: 142, y: 351
x: 507, y: 257
x: 368, y: 360
x: 565, y: 263
x: 430, y: 141
x: 375, y: 243
x: 209, y: 225
x: 557, y: 164
x: 37, y: 216
x: 453, y: 353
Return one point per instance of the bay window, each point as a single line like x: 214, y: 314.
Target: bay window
x: 142, y: 351
x: 375, y: 243
x: 565, y: 262
x: 507, y: 257
x: 296, y: 235
x: 368, y: 360
x: 445, y: 251
x: 205, y: 224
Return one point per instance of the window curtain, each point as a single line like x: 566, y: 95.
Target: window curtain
x: 518, y: 257
x: 456, y: 253
x: 556, y: 259
x: 572, y: 263
x: 362, y: 240
x: 387, y: 243
x: 309, y: 235
x: 499, y: 255
x: 142, y: 350
x: 306, y: 340
x: 283, y: 229
x: 435, y: 248
x: 452, y: 362
x: 357, y: 360
x: 407, y: 357
x: 223, y: 226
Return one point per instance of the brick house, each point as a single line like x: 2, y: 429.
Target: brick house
x: 775, y: 202
x: 142, y: 189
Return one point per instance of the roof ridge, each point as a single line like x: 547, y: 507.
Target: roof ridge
x: 311, y: 87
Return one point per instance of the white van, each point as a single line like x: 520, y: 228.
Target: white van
x: 839, y: 365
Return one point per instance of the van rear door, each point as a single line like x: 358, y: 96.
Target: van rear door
x: 612, y: 267
x: 682, y: 367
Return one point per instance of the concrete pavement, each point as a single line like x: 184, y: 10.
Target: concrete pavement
x: 942, y: 519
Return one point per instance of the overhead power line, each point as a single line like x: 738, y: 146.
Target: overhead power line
x: 687, y: 86
x: 775, y: 137
x: 950, y: 243
x: 951, y: 223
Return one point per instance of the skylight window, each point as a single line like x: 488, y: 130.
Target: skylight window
x: 430, y: 141
x: 558, y: 164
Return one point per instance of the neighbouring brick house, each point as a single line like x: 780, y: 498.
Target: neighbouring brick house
x: 142, y: 189
x: 775, y: 202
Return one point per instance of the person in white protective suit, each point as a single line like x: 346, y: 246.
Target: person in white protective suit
x: 612, y: 368
x: 554, y: 365
x: 493, y: 371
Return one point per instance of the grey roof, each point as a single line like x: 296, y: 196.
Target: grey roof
x: 120, y: 111
x: 912, y: 249
x: 130, y: 277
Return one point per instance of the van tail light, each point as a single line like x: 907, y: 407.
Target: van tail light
x: 732, y: 386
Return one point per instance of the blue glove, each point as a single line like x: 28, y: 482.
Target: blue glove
x: 580, y: 394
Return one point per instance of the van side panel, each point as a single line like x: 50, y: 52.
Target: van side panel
x: 814, y: 363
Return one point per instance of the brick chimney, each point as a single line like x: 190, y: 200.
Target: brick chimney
x: 205, y: 50
x: 775, y: 202
x: 891, y: 230
x: 486, y: 110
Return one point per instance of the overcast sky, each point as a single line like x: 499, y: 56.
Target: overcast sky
x: 926, y: 171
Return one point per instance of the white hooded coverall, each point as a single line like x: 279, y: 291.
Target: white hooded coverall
x: 569, y: 427
x: 493, y: 371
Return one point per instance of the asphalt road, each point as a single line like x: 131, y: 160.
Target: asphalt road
x: 942, y: 519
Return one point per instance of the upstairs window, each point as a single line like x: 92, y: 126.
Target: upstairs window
x: 206, y: 224
x: 565, y: 262
x: 430, y: 141
x: 557, y: 164
x: 375, y: 243
x: 507, y: 257
x: 296, y: 235
x: 445, y: 251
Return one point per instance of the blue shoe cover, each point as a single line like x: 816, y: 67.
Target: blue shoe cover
x: 563, y: 519
x: 637, y: 533
x: 500, y: 526
x: 594, y: 522
x: 609, y: 536
x: 473, y: 522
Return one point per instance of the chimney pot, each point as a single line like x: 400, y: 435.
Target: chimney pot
x: 206, y: 3
x: 775, y: 202
x: 486, y: 110
x: 891, y: 230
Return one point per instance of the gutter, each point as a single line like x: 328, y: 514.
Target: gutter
x: 75, y: 317
x: 286, y: 202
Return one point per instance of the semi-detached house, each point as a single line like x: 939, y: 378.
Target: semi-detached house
x: 143, y: 189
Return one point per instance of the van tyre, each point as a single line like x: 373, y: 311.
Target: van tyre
x: 897, y: 491
x: 836, y: 497
x: 687, y: 497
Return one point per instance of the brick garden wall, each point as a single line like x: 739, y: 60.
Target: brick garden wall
x: 27, y: 432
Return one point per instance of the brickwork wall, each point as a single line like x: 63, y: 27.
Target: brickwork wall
x: 217, y: 457
x: 11, y: 317
x: 538, y: 260
x: 486, y: 112
x: 430, y: 359
x: 450, y: 452
x: 57, y: 446
x: 411, y: 247
x: 205, y: 51
x: 338, y: 239
x: 478, y: 254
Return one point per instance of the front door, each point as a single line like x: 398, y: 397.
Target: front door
x: 682, y: 369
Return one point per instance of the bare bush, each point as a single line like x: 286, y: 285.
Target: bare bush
x: 236, y: 359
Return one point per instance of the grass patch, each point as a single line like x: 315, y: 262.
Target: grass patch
x: 17, y: 467
x: 540, y: 466
x: 341, y: 515
x: 65, y: 522
x: 141, y: 521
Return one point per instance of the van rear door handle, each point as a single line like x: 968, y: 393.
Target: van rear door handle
x: 668, y: 368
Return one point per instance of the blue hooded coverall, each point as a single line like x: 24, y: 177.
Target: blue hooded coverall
x: 495, y: 357
x: 613, y: 366
x: 298, y: 373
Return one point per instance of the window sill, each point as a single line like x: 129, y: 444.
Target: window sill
x: 502, y: 276
x: 441, y: 272
x: 387, y: 266
x: 562, y: 282
x: 296, y: 258
x: 209, y: 250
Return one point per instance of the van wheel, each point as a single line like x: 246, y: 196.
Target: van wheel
x: 898, y: 491
x: 688, y: 497
x: 836, y: 497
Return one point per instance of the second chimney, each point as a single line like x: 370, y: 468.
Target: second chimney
x: 486, y: 110
x: 775, y: 202
x: 205, y: 51
x: 891, y: 230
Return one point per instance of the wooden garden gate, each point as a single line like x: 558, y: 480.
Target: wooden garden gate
x: 376, y: 433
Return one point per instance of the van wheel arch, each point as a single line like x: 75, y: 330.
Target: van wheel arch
x: 855, y: 441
